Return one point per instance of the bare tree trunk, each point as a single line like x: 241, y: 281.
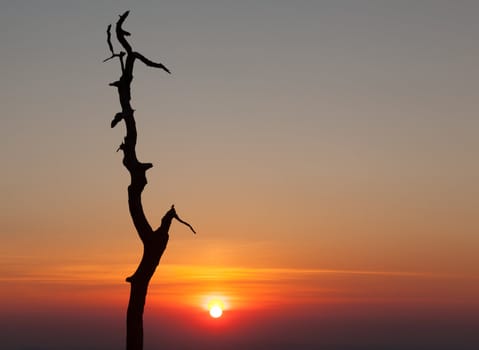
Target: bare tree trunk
x: 154, y: 242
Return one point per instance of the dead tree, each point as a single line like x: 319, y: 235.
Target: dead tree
x: 154, y: 241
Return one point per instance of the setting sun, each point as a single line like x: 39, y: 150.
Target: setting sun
x: 215, y: 307
x: 216, y: 311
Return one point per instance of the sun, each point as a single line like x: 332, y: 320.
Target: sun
x: 215, y: 305
x: 216, y: 311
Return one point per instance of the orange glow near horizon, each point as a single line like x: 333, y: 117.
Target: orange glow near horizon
x: 197, y: 289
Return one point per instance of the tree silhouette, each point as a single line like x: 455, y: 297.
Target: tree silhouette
x: 154, y: 241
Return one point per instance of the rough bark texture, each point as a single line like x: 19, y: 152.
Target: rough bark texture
x: 154, y: 242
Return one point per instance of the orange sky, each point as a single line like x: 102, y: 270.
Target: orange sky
x: 256, y: 301
x: 192, y: 286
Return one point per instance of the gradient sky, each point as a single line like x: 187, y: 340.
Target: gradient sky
x: 325, y: 151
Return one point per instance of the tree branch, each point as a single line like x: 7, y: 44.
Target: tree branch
x: 185, y: 223
x: 136, y: 169
x: 150, y: 63
x: 108, y: 39
x: 120, y: 33
x: 110, y: 46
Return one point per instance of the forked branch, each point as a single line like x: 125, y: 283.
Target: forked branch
x: 113, y: 54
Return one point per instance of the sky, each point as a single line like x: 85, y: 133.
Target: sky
x: 324, y: 151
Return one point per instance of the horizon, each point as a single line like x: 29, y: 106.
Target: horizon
x: 320, y: 306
